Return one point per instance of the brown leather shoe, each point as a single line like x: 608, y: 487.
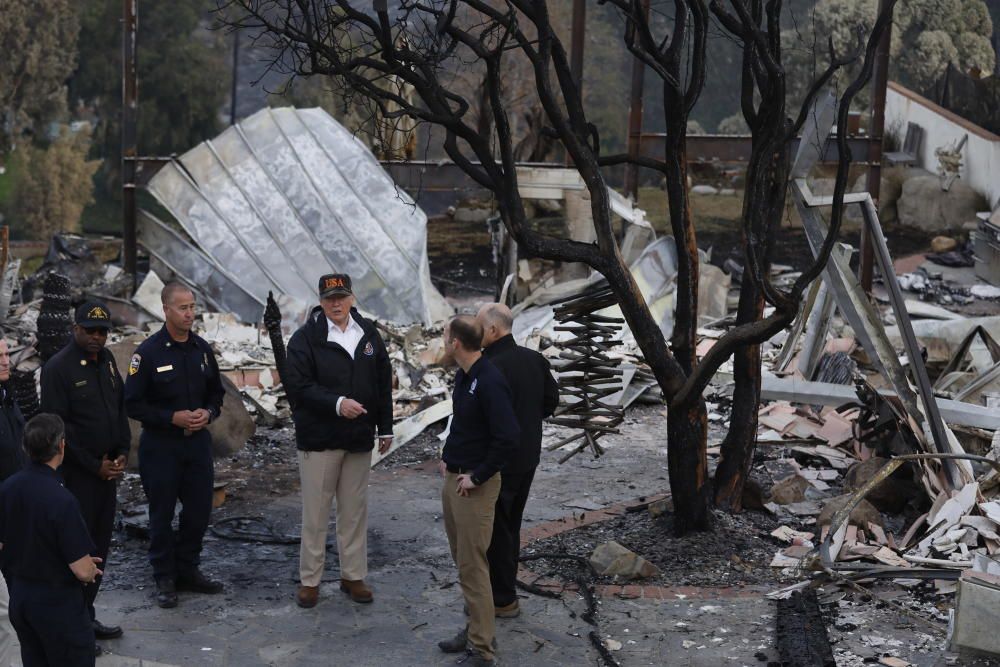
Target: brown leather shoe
x: 357, y: 590
x: 307, y: 597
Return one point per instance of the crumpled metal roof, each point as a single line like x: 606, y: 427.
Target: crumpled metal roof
x: 287, y: 195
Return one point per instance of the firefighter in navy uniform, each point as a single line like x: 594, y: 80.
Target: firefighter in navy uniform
x: 175, y: 390
x: 81, y: 384
x: 47, y: 555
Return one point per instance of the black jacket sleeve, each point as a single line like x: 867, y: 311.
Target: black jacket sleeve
x: 136, y: 389
x: 124, y: 445
x: 302, y: 383
x: 12, y: 456
x: 55, y: 399
x: 383, y: 376
x: 550, y: 393
x: 505, y: 434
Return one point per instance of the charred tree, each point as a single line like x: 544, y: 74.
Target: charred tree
x: 358, y: 44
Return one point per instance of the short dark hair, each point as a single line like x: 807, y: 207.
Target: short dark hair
x: 172, y: 288
x: 42, y: 436
x: 467, y: 331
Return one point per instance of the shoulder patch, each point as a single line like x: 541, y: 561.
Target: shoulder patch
x: 133, y: 365
x: 369, y: 349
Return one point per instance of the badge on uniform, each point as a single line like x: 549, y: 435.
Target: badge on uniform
x: 164, y: 369
x: 369, y: 349
x: 133, y: 365
x: 472, y: 389
x: 81, y: 383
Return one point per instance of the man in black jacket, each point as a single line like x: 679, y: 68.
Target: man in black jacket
x: 536, y: 396
x: 12, y: 460
x: 81, y: 384
x: 339, y: 380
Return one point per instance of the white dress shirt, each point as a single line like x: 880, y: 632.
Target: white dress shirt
x: 347, y: 338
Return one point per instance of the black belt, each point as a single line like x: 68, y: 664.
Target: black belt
x: 457, y: 470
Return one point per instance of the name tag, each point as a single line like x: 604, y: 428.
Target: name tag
x: 81, y: 383
x: 164, y: 369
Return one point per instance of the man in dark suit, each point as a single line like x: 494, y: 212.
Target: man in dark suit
x: 536, y: 396
x: 12, y: 460
x: 82, y: 385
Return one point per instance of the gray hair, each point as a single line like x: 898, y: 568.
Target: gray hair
x: 498, y: 315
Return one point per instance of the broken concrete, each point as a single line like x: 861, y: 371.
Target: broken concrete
x: 862, y: 515
x: 613, y: 559
x: 791, y: 489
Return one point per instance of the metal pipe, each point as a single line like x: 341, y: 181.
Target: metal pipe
x: 635, y: 120
x: 130, y: 98
x: 876, y: 138
x: 236, y: 69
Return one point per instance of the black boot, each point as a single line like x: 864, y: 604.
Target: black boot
x: 456, y: 644
x: 102, y: 631
x: 166, y: 592
x: 196, y: 582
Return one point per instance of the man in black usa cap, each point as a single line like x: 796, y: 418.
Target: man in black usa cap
x: 175, y: 390
x: 339, y: 380
x: 81, y: 384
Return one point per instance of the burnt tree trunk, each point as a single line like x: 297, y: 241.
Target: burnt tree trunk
x: 687, y: 425
x: 687, y: 443
x: 736, y: 454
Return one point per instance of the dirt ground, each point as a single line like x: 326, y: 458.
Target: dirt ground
x: 722, y: 617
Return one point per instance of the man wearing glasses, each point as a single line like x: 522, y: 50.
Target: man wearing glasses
x: 81, y: 384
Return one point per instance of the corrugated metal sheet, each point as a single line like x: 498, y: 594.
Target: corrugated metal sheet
x: 287, y: 195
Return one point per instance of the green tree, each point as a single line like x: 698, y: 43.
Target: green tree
x: 53, y: 187
x: 183, y: 76
x: 38, y: 43
x: 927, y: 35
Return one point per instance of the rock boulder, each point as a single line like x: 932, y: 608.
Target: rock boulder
x: 612, y: 559
x: 925, y: 205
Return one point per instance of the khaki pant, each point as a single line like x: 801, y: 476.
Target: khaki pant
x: 7, y: 637
x: 469, y: 523
x: 327, y: 475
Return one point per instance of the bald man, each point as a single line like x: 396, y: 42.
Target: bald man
x: 535, y: 396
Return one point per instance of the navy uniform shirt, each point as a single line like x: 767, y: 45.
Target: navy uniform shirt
x: 165, y: 377
x: 89, y: 395
x: 41, y: 527
x: 484, y: 431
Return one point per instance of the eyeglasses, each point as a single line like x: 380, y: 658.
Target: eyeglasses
x: 96, y: 331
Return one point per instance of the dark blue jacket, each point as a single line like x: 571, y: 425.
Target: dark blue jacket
x: 484, y: 432
x: 165, y: 377
x: 41, y: 527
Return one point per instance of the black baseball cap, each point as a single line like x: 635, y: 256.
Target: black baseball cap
x: 93, y: 314
x: 335, y: 283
